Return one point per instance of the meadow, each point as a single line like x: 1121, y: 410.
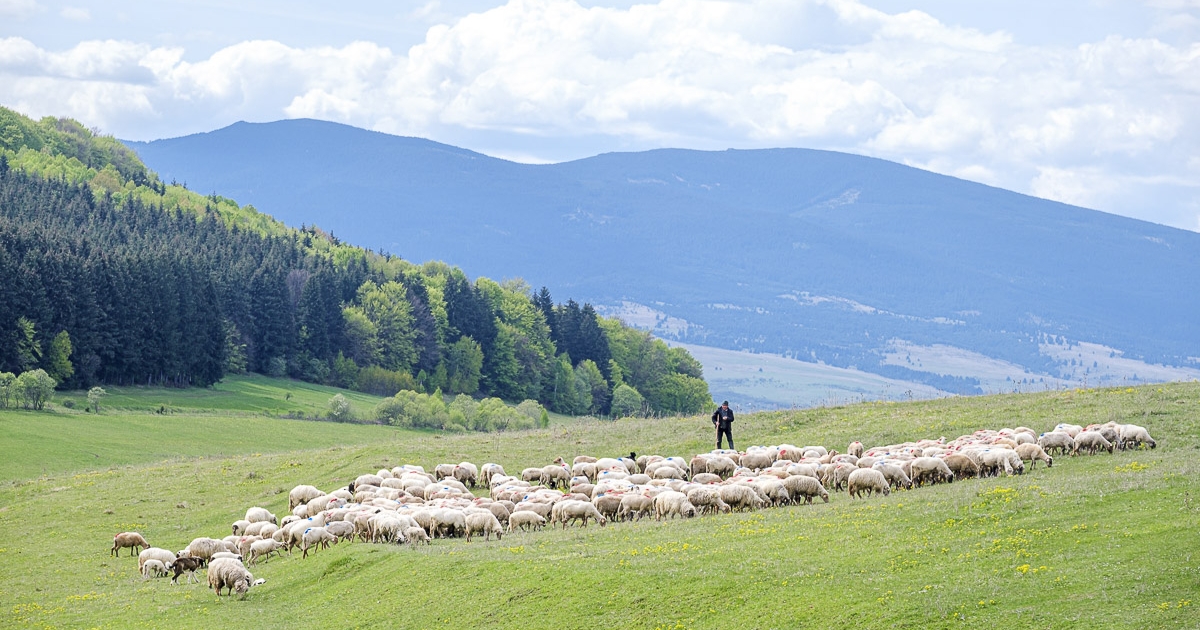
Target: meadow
x: 1104, y: 541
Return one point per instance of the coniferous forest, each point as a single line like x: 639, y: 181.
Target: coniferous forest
x: 111, y: 276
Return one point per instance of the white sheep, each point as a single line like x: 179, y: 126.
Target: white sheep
x: 740, y: 497
x: 635, y: 506
x: 264, y: 549
x: 1133, y: 436
x: 707, y: 500
x: 203, y: 548
x: 1092, y: 441
x: 413, y: 535
x: 672, y: 503
x: 260, y: 515
x: 931, y: 469
x: 164, y: 556
x: 230, y: 574
x: 804, y: 487
x: 301, y: 495
x: 153, y: 568
x: 483, y: 523
x: 524, y: 520
x: 317, y: 537
x: 1057, y: 441
x: 867, y: 481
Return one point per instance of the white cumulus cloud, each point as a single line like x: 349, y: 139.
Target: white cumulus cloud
x: 1092, y: 124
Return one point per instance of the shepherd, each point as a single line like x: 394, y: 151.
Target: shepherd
x: 722, y: 420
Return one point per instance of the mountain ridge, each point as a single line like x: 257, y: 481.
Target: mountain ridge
x: 764, y: 249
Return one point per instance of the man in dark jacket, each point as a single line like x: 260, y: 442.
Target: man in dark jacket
x: 722, y: 419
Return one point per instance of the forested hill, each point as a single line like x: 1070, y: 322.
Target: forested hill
x: 823, y: 256
x: 112, y: 276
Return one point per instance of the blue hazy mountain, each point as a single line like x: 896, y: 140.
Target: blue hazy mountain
x: 813, y: 254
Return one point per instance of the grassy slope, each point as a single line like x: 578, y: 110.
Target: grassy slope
x: 224, y: 420
x: 1101, y: 541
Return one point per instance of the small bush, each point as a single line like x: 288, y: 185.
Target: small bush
x: 339, y: 409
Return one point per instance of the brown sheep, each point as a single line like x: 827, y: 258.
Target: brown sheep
x: 132, y: 540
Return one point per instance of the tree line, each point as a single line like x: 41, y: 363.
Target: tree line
x: 112, y: 284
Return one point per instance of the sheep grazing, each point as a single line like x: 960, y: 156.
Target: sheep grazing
x: 230, y: 574
x: 1133, y: 436
x: 185, y: 565
x: 707, y: 500
x: 1033, y: 453
x: 635, y: 506
x: 1091, y: 441
x: 991, y: 462
x: 931, y: 469
x: 894, y: 474
x: 1057, y: 441
x: 569, y: 511
x: 153, y: 568
x: 804, y: 488
x: 855, y: 449
x: 260, y: 515
x: 556, y: 476
x: 131, y: 540
x: 301, y: 495
x: 962, y: 466
x: 203, y: 548
x: 466, y: 473
x: 868, y: 481
x: 483, y: 523
x: 525, y: 520
x: 264, y: 549
x: 741, y: 497
x: 413, y: 535
x: 155, y: 553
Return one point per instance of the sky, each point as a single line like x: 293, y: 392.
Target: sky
x: 1090, y: 102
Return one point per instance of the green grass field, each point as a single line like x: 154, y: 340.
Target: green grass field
x: 1107, y: 541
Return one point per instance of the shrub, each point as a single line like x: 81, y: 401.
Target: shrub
x: 94, y: 395
x: 339, y: 409
x: 34, y: 388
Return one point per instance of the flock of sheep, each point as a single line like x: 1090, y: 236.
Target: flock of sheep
x: 409, y: 505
